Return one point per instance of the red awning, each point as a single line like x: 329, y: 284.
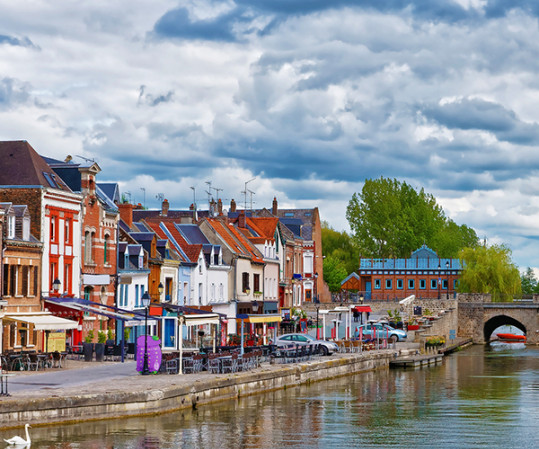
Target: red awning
x: 363, y: 309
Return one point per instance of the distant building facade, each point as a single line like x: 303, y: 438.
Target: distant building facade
x: 423, y: 274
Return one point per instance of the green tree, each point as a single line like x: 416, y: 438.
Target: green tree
x: 340, y: 246
x: 389, y: 218
x: 334, y: 273
x: 528, y: 282
x: 489, y: 269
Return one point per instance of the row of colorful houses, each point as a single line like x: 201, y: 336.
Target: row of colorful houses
x: 76, y: 258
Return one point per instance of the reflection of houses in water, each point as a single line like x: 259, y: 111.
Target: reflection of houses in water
x: 424, y: 275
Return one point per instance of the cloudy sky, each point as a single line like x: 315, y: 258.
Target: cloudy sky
x: 308, y: 97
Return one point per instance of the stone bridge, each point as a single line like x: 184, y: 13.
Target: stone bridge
x: 478, y: 317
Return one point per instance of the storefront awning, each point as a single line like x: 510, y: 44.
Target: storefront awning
x: 43, y: 321
x: 100, y: 309
x: 363, y: 309
x: 199, y: 319
x: 267, y: 318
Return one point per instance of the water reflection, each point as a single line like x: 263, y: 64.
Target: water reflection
x: 476, y: 398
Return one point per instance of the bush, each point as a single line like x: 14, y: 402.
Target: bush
x: 90, y: 337
x: 101, y: 337
x: 435, y: 341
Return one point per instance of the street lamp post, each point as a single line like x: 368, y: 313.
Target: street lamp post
x: 146, y: 303
x: 317, y: 328
x: 160, y: 289
x: 316, y: 288
x: 439, y: 279
x: 447, y: 272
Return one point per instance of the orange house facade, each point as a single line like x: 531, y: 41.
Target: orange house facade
x: 424, y: 275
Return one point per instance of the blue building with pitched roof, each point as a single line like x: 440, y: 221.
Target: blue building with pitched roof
x: 423, y: 274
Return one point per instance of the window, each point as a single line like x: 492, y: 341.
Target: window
x: 87, y: 293
x: 377, y: 283
x: 11, y: 227
x: 13, y: 280
x: 212, y: 292
x: 221, y: 292
x: 67, y: 278
x: 36, y: 281
x: 389, y: 284
x: 400, y: 284
x: 422, y: 284
x: 67, y: 224
x: 444, y: 284
x: 256, y: 282
x: 25, y: 282
x: 244, y: 282
x: 53, y: 229
x: 200, y: 290
x: 433, y: 285
x: 87, y: 247
x: 137, y: 295
x: 105, y: 249
x: 26, y: 229
x: 411, y: 284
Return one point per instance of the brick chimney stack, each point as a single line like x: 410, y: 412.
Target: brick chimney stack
x: 274, y: 209
x: 232, y: 206
x: 164, y: 207
x: 219, y: 207
x: 242, y: 221
x: 126, y: 213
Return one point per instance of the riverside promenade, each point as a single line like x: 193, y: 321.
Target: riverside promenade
x: 91, y: 391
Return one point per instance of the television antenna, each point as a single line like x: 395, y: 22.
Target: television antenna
x: 245, y: 192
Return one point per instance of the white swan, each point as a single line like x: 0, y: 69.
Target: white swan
x: 18, y: 440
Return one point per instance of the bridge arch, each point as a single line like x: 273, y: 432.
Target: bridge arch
x: 501, y: 320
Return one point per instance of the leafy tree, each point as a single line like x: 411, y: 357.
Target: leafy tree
x: 489, y: 269
x: 389, y: 218
x: 528, y: 282
x: 340, y: 246
x: 334, y: 273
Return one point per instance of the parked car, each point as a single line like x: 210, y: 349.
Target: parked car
x: 326, y: 347
x: 382, y: 330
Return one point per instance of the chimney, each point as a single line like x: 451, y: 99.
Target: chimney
x: 274, y: 210
x: 219, y: 207
x: 164, y: 208
x: 232, y: 206
x: 126, y: 213
x: 242, y: 221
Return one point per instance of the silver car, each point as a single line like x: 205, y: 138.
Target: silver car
x: 326, y: 347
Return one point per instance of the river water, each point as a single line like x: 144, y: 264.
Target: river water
x: 482, y: 397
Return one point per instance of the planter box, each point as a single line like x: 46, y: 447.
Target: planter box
x: 413, y: 327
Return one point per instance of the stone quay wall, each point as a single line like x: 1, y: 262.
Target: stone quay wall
x: 150, y: 395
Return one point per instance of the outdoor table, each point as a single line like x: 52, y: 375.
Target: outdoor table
x: 3, y: 383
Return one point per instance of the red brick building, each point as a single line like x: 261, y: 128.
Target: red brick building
x: 98, y: 237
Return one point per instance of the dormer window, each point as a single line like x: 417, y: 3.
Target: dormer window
x: 11, y: 227
x: 26, y: 229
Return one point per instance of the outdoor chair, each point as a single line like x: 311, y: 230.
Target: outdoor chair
x: 214, y: 363
x: 109, y: 352
x: 227, y: 364
x: 198, y: 363
x: 188, y: 365
x: 172, y: 366
x: 32, y: 362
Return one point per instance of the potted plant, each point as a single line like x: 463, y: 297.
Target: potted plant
x: 412, y: 325
x: 88, y: 346
x: 100, y: 346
